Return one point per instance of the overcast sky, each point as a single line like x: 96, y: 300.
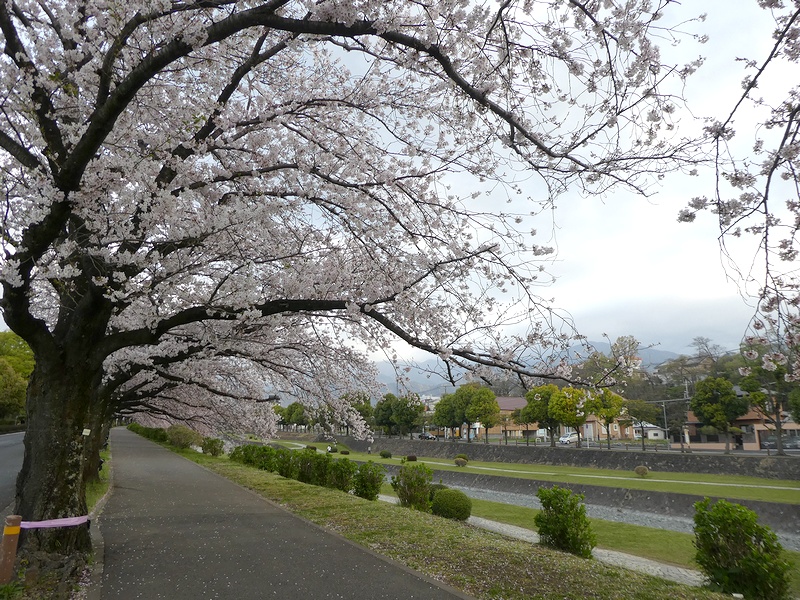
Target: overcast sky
x: 625, y: 265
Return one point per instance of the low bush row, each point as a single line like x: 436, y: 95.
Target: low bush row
x: 315, y: 468
x: 179, y: 436
x: 157, y: 434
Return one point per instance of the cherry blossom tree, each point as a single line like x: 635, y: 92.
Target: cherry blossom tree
x: 207, y: 202
x: 756, y: 192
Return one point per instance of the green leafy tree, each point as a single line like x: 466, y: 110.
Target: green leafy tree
x: 639, y: 413
x: 794, y: 404
x: 518, y: 419
x: 12, y: 391
x: 362, y: 404
x: 568, y: 406
x: 607, y: 407
x: 716, y: 404
x: 444, y: 415
x: 483, y: 408
x: 463, y: 399
x: 398, y: 414
x: 537, y: 410
x: 295, y: 414
x: 16, y: 366
x: 17, y: 353
x: 280, y: 412
x: 406, y: 413
x: 382, y: 413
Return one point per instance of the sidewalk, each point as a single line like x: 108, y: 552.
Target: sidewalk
x: 174, y: 530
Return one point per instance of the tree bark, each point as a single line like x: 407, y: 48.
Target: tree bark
x: 51, y: 483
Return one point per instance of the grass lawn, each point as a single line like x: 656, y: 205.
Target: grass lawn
x: 97, y: 489
x: 656, y: 544
x: 671, y: 547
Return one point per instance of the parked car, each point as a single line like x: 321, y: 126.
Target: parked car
x: 426, y: 436
x: 568, y: 438
x: 788, y: 442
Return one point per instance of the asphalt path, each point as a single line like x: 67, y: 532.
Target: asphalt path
x: 11, y: 451
x: 172, y: 529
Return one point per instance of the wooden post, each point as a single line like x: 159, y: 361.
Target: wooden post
x: 8, y: 550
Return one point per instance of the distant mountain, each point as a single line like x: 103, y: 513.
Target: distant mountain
x: 421, y: 380
x: 424, y: 381
x: 651, y: 357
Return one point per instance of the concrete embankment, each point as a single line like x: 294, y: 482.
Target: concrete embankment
x: 780, y: 517
x: 753, y: 465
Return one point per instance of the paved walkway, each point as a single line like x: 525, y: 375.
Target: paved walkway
x: 174, y: 530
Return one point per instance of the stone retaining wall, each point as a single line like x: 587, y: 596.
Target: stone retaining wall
x: 779, y: 517
x: 768, y: 467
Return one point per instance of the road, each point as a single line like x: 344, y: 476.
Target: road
x: 11, y: 451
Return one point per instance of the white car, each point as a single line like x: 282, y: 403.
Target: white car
x: 568, y: 438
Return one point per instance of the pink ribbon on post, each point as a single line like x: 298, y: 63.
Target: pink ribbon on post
x: 68, y: 522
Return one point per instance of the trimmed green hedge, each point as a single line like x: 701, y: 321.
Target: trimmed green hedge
x: 315, y: 468
x: 451, y: 504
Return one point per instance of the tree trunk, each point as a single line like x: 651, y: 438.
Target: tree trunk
x: 51, y: 483
x: 778, y: 429
x: 99, y: 430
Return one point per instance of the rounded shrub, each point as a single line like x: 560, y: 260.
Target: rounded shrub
x: 341, y: 473
x: 451, y: 504
x: 385, y: 454
x: 562, y: 522
x: 314, y: 448
x: 411, y: 458
x: 412, y: 485
x: 641, y: 471
x: 181, y: 436
x: 237, y: 455
x: 435, y: 487
x: 737, y: 554
x: 463, y: 457
x: 212, y: 446
x: 344, y: 452
x: 368, y: 480
x: 460, y: 462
